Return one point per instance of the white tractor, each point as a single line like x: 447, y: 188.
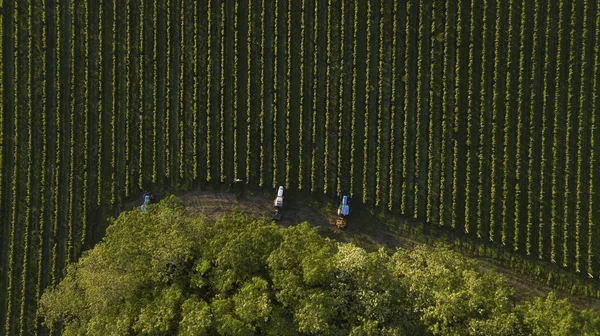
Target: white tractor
x: 278, y: 204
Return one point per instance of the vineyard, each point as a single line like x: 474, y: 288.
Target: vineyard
x: 479, y: 116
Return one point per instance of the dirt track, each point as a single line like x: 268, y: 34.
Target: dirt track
x: 213, y: 205
x: 363, y: 229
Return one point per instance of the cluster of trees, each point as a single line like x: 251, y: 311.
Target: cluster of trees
x: 164, y: 272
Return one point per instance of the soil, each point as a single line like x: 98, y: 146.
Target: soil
x: 364, y: 229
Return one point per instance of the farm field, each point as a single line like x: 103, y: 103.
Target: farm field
x: 479, y: 116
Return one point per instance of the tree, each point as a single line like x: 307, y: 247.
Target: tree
x: 196, y: 317
x: 557, y: 317
x: 454, y: 297
x: 164, y: 272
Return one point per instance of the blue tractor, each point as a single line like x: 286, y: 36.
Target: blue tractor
x: 343, y: 212
x: 148, y: 198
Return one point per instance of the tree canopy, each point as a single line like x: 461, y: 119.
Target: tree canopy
x: 164, y: 272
